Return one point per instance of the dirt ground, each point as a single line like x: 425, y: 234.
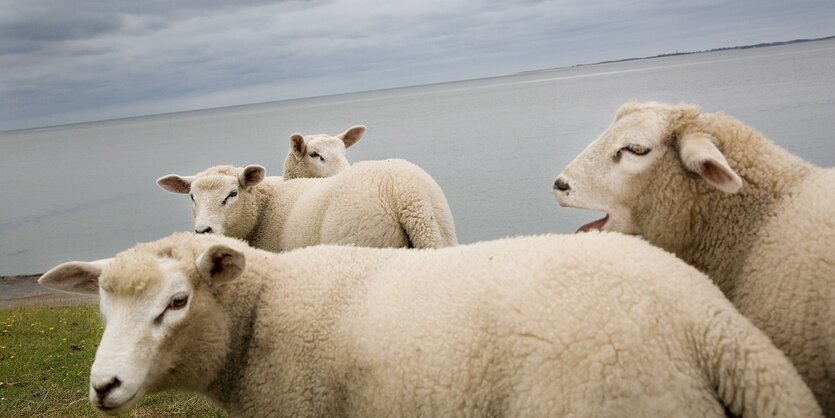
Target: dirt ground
x: 18, y: 291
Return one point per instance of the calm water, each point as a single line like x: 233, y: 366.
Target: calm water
x: 495, y: 146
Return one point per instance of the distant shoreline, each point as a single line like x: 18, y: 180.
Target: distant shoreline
x: 20, y: 277
x: 141, y: 116
x: 19, y: 291
x: 677, y: 53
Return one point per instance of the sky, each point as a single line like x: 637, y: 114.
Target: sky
x: 68, y: 61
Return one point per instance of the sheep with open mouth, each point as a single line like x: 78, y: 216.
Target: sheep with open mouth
x: 757, y: 219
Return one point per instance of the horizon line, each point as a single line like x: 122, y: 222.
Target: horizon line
x: 232, y: 106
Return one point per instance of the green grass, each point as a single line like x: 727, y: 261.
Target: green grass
x: 45, y: 359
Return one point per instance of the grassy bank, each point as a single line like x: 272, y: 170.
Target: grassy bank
x: 45, y: 358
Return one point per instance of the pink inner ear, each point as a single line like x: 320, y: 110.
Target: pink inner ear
x: 351, y: 136
x: 89, y: 284
x: 176, y: 184
x: 720, y: 176
x: 218, y: 264
x: 715, y: 173
x: 253, y: 176
x: 298, y: 144
x: 72, y: 278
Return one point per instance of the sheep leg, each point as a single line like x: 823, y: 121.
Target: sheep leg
x: 417, y: 219
x: 748, y: 372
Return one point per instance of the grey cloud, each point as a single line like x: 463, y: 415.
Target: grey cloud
x: 161, y: 55
x: 65, y: 20
x: 57, y: 27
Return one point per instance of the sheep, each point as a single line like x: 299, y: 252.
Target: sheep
x: 757, y: 219
x: 319, y: 155
x: 591, y: 325
x: 391, y: 203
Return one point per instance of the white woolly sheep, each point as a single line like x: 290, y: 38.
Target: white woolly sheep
x: 757, y: 219
x: 319, y: 155
x: 593, y: 325
x: 391, y: 203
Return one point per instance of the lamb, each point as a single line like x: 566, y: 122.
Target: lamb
x: 591, y: 325
x: 757, y: 219
x: 391, y: 203
x: 319, y: 155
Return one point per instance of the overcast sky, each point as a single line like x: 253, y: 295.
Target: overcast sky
x: 81, y: 60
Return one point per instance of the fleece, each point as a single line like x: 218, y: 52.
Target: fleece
x: 767, y: 240
x: 589, y: 325
x: 390, y: 203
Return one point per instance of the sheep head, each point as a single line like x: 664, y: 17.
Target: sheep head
x: 163, y: 327
x: 651, y: 155
x: 320, y: 155
x: 223, y: 198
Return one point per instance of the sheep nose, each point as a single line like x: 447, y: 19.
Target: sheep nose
x: 104, y: 389
x: 208, y: 230
x: 561, y: 185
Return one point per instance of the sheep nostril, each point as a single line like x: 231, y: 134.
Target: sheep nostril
x: 208, y: 230
x: 103, y: 390
x: 561, y: 185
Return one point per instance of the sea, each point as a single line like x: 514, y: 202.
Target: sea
x: 494, y: 145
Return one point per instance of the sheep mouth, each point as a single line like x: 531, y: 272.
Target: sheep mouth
x: 118, y: 409
x: 595, y: 225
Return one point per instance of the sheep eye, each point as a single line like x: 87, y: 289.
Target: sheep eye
x: 231, y: 194
x: 315, y: 155
x: 191, y: 196
x: 636, y: 149
x: 179, y: 301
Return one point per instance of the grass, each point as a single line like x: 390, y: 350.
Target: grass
x: 45, y: 359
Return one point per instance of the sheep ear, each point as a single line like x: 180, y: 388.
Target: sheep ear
x: 699, y: 154
x: 297, y: 145
x: 251, y: 175
x: 220, y: 264
x: 75, y: 276
x: 352, y: 135
x: 175, y: 184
